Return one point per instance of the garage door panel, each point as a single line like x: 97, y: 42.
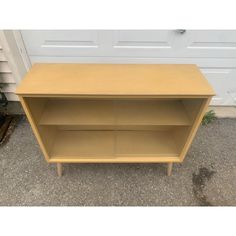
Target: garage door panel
x: 223, y: 81
x: 142, y: 43
x: 213, y: 43
x: 61, y: 42
x: 172, y: 43
x: 201, y: 62
x: 139, y: 39
x: 128, y: 43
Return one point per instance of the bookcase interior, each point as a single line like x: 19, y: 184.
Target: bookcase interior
x: 113, y: 130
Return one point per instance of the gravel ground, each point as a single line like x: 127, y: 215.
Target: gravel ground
x: 206, y: 177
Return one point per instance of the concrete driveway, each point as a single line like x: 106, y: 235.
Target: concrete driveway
x: 207, y: 176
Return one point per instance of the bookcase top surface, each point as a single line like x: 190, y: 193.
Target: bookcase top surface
x: 114, y: 79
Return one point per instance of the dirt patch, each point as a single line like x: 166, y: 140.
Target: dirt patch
x: 7, y: 126
x: 199, y: 183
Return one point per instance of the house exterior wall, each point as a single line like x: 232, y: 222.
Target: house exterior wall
x: 12, y: 67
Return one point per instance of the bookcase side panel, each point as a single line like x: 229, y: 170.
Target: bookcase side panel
x: 33, y: 108
x: 197, y: 111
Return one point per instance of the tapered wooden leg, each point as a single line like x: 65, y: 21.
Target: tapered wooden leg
x: 169, y: 168
x: 59, y: 169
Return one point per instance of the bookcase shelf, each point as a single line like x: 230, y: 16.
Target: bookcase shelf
x: 114, y: 113
x: 113, y: 146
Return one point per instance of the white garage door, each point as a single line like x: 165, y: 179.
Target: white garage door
x: 214, y: 51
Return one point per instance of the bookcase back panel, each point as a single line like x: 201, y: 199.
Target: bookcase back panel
x: 112, y: 112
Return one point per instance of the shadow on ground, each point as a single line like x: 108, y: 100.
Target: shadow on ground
x: 206, y: 177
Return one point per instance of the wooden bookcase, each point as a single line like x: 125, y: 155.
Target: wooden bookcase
x: 104, y: 113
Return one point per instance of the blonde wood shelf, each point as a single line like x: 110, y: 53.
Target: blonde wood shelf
x: 113, y: 146
x: 114, y: 112
x: 93, y: 113
x: 114, y: 79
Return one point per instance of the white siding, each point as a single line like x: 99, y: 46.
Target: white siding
x: 6, y: 77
